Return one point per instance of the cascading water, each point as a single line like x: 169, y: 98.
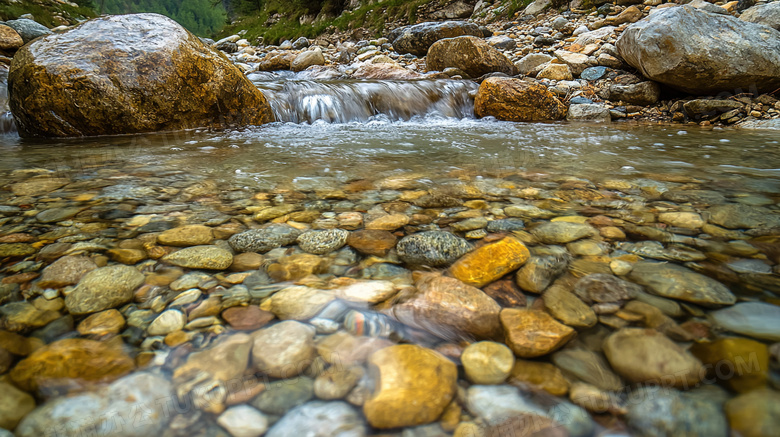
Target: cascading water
x: 7, y: 124
x: 343, y: 101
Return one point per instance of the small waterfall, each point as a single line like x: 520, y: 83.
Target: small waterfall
x: 344, y: 101
x: 7, y: 124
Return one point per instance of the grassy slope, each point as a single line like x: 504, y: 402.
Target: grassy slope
x: 44, y: 11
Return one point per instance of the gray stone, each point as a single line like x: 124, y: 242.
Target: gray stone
x: 418, y: 38
x: 129, y: 407
x: 739, y: 216
x: 588, y: 112
x: 284, y: 350
x: 104, y: 288
x: 767, y: 14
x: 57, y: 214
x: 307, y: 59
x: 642, y: 93
x: 432, y: 248
x: 243, y: 421
x: 593, y: 73
x: 496, y: 403
x: 677, y: 282
x: 28, y: 29
x: 323, y: 242
x: 320, y: 419
x: 200, y: 257
x: 754, y: 319
x: 282, y: 396
x: 661, y: 412
x: 265, y: 239
x: 675, y: 46
x: 537, y: 6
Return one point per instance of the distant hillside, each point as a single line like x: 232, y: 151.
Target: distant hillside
x: 201, y: 17
x: 50, y: 13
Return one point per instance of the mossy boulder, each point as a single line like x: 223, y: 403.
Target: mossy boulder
x: 128, y: 74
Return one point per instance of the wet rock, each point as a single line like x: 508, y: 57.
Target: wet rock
x: 104, y: 288
x: 246, y: 261
x: 754, y: 319
x: 167, y: 322
x: 449, y: 309
x: 487, y: 362
x: 469, y: 54
x: 538, y: 375
x: 307, y: 59
x: 490, y: 262
x: 297, y: 303
x: 342, y: 348
x: 646, y: 355
x: 642, y: 93
x: 190, y: 235
x: 414, y: 385
x: 494, y: 404
x: 689, y: 59
x: 367, y: 291
x: 57, y: 363
x: 432, y: 248
x: 739, y: 216
x: 539, y: 272
x: 372, y: 241
x: 562, y: 232
x: 247, y: 318
x: 557, y: 72
x: 388, y: 222
x: 243, y: 421
x: 746, y: 362
x: 661, y: 411
x: 86, y: 412
x: 533, y: 333
x: 103, y: 323
x: 14, y: 405
x: 320, y: 419
x: 23, y: 316
x: 282, y: 396
x: 385, y: 71
x: 567, y: 307
x: 754, y: 414
x: 200, y: 257
x: 226, y: 360
x: 265, y: 239
x: 418, y: 38
x: 130, y: 98
x: 16, y: 250
x: 39, y: 186
x: 57, y: 214
x: 276, y: 62
x: 283, y: 350
x: 10, y: 40
x: 323, y: 242
x: 28, y: 29
x: 505, y: 225
x: 688, y: 220
x: 767, y: 14
x: 601, y: 288
x: 509, y: 99
x: 677, y: 282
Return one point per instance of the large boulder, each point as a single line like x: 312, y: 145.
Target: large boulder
x: 517, y: 100
x: 128, y: 74
x: 471, y: 54
x: 703, y: 53
x: 418, y: 38
x: 767, y: 14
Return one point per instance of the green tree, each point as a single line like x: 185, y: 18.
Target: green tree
x: 201, y: 17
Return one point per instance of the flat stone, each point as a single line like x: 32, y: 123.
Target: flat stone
x: 57, y: 214
x: 281, y: 396
x: 320, y: 419
x: 487, y: 362
x: 367, y: 291
x: 283, y: 350
x: 14, y: 405
x: 265, y: 239
x: 372, y: 242
x: 247, y: 318
x: 533, y: 333
x: 754, y: 319
x: 243, y: 421
x: 168, y: 321
x: 587, y: 366
x: 754, y: 414
x: 747, y: 361
x: 562, y: 232
x: 37, y: 187
x: 200, y: 257
x: 225, y: 361
x: 190, y: 235
x: 23, y: 316
x: 539, y: 272
x: 539, y: 375
x: 106, y: 322
x: 567, y: 307
x: 739, y: 216
x: 494, y: 404
x: 677, y: 282
x: 656, y: 411
x: 432, y: 248
x: 297, y: 303
x: 16, y: 250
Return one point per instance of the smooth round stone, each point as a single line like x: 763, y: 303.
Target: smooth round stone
x: 496, y: 403
x: 677, y: 282
x: 243, y: 421
x: 487, y: 362
x: 368, y: 291
x: 620, y: 267
x: 320, y: 419
x: 201, y: 257
x: 102, y: 323
x: 505, y: 225
x: 432, y: 248
x: 284, y: 350
x: 323, y: 242
x: 337, y: 382
x: 562, y: 232
x: 750, y: 266
x: 247, y: 318
x: 14, y: 405
x: 372, y: 241
x: 593, y: 73
x: 755, y: 414
x: 57, y: 214
x: 688, y: 220
x: 191, y: 235
x: 754, y: 319
x: 738, y: 216
x: 247, y: 261
x: 265, y: 239
x: 104, y: 288
x: 167, y: 322
x: 656, y: 411
x: 282, y: 396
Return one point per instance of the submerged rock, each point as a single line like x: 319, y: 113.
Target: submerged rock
x: 490, y: 262
x: 104, y: 288
x: 675, y: 46
x: 662, y: 411
x: 516, y: 100
x: 265, y: 239
x: 433, y: 248
x: 754, y: 319
x: 754, y: 414
x: 532, y: 333
x: 128, y: 74
x: 677, y: 282
x: 320, y: 419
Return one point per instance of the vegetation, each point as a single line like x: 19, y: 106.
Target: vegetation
x: 47, y: 12
x: 201, y: 17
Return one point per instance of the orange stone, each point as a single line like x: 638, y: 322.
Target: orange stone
x: 490, y: 262
x: 533, y: 333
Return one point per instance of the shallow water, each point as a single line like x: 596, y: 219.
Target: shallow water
x: 337, y: 133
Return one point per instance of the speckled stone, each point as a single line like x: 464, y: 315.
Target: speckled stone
x: 323, y: 242
x: 432, y: 248
x: 265, y: 239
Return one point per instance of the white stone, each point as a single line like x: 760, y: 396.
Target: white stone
x: 243, y: 421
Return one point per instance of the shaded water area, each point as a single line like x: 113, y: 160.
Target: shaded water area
x: 388, y: 215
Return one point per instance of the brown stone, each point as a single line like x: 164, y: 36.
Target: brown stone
x: 517, y: 100
x: 470, y: 54
x: 533, y: 333
x: 345, y: 349
x: 372, y: 241
x: 190, y: 235
x: 127, y: 256
x: 449, y: 309
x: 567, y: 307
x: 247, y: 318
x: 490, y: 262
x: 279, y: 61
x: 385, y: 71
x: 506, y: 293
x: 388, y: 222
x: 754, y: 414
x: 62, y: 362
x: 102, y: 323
x: 9, y: 41
x: 132, y: 73
x: 297, y: 266
x: 414, y: 386
x: 246, y: 261
x: 67, y: 270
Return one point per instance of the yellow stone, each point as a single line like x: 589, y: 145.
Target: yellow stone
x: 490, y: 262
x: 190, y: 235
x: 487, y: 362
x: 540, y: 375
x: 754, y: 414
x: 102, y: 323
x: 414, y: 386
x: 533, y: 333
x: 570, y: 219
x: 742, y: 363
